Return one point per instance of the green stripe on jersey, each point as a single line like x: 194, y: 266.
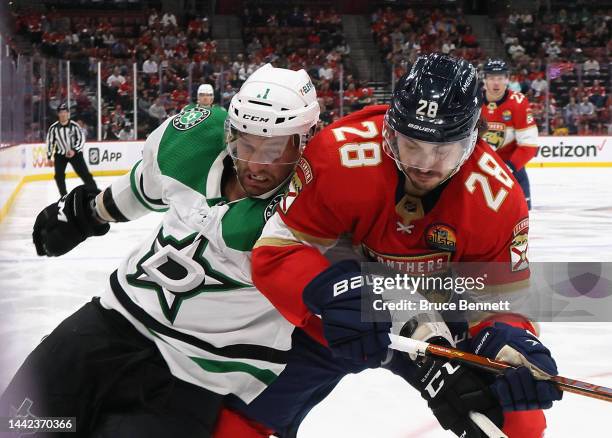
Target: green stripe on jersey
x: 220, y: 366
x: 136, y: 189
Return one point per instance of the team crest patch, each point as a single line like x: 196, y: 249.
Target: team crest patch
x: 441, y: 236
x: 519, y: 245
x: 187, y: 119
x: 176, y: 270
x: 295, y: 187
x: 521, y: 226
x: 494, y: 138
x: 304, y: 165
x: 529, y: 117
x: 271, y: 208
x: 507, y: 115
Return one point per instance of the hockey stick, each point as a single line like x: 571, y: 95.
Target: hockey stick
x: 486, y: 425
x: 412, y: 346
x: 421, y: 348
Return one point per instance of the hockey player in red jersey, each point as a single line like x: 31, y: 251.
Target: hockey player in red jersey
x: 512, y: 130
x: 415, y: 189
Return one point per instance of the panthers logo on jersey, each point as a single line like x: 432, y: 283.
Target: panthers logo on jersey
x: 496, y: 134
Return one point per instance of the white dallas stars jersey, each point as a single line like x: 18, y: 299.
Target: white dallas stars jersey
x: 188, y: 286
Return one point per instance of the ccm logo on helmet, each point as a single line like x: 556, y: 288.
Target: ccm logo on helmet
x: 255, y: 118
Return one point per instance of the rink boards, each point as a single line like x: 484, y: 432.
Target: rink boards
x: 28, y: 162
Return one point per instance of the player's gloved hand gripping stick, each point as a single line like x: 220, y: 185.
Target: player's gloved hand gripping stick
x: 454, y: 392
x: 420, y: 348
x: 533, y: 385
x: 335, y: 294
x: 460, y: 397
x: 528, y: 386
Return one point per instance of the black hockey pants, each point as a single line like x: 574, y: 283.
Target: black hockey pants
x: 97, y: 367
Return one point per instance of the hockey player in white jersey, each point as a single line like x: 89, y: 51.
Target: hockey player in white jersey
x: 180, y: 323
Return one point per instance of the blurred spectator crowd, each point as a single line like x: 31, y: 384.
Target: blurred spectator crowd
x: 175, y: 55
x: 172, y: 59
x: 308, y: 38
x: 559, y: 59
x: 402, y: 35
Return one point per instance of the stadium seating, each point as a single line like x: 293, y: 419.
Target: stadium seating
x: 564, y: 51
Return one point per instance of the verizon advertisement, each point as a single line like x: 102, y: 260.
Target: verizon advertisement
x: 573, y: 151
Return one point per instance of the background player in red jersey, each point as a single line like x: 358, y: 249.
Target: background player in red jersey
x: 432, y: 178
x: 512, y: 130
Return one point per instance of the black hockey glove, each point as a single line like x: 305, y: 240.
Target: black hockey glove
x: 62, y: 225
x: 452, y: 391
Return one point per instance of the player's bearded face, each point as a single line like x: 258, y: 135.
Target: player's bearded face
x: 425, y: 164
x: 496, y: 85
x: 263, y: 163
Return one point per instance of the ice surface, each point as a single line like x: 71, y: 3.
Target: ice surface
x: 571, y: 221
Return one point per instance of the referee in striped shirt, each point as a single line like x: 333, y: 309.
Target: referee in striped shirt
x: 65, y: 143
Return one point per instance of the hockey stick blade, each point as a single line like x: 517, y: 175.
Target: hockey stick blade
x: 486, y: 425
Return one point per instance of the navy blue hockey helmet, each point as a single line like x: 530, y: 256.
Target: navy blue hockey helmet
x: 439, y: 100
x: 431, y: 123
x: 496, y: 66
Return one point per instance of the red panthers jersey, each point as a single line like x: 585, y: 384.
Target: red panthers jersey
x: 512, y: 131
x: 346, y: 185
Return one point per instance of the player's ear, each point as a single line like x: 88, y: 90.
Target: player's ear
x: 295, y: 140
x: 483, y: 126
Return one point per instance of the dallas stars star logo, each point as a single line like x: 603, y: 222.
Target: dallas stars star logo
x: 189, y: 118
x: 177, y: 271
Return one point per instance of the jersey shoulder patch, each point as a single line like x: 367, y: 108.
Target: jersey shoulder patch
x: 190, y: 117
x: 190, y: 145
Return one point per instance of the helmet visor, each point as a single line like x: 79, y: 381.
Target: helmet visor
x: 410, y: 153
x: 284, y: 149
